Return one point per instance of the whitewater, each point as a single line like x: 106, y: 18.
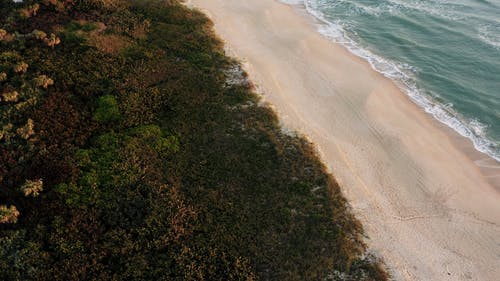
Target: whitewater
x: 444, y: 54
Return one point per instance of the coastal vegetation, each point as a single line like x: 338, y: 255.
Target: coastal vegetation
x: 133, y: 148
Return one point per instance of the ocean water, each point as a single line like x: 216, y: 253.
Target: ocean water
x: 445, y: 54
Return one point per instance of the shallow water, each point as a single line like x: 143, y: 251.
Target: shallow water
x: 445, y: 54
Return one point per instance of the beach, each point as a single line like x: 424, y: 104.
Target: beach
x: 429, y: 202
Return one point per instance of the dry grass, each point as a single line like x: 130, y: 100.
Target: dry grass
x: 141, y: 30
x: 108, y: 43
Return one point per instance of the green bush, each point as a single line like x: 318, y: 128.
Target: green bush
x: 155, y: 162
x: 107, y: 110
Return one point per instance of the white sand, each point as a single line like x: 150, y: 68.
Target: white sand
x: 429, y: 210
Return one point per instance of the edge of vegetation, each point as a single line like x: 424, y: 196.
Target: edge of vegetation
x: 133, y: 148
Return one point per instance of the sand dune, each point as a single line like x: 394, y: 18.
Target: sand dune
x: 429, y: 202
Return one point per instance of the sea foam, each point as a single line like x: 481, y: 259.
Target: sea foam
x: 404, y: 74
x: 486, y: 34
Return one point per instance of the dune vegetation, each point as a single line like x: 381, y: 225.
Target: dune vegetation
x: 133, y: 148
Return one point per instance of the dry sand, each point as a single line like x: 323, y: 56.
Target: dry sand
x: 428, y: 201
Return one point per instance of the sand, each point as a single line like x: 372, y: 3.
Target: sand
x: 429, y: 202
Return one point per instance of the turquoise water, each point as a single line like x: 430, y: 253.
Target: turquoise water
x: 445, y: 54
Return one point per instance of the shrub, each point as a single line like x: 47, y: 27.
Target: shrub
x: 8, y: 214
x: 5, y: 133
x: 29, y: 11
x: 101, y: 5
x: 52, y: 40
x: 107, y: 110
x: 21, y: 67
x: 27, y: 130
x: 43, y: 81
x: 3, y: 34
x: 32, y: 188
x: 157, y: 162
x: 59, y: 5
x: 39, y: 35
x: 11, y: 96
x: 141, y: 30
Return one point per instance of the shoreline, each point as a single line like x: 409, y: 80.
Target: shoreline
x: 405, y: 82
x: 489, y: 166
x: 427, y: 206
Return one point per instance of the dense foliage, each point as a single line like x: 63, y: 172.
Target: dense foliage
x: 132, y: 148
